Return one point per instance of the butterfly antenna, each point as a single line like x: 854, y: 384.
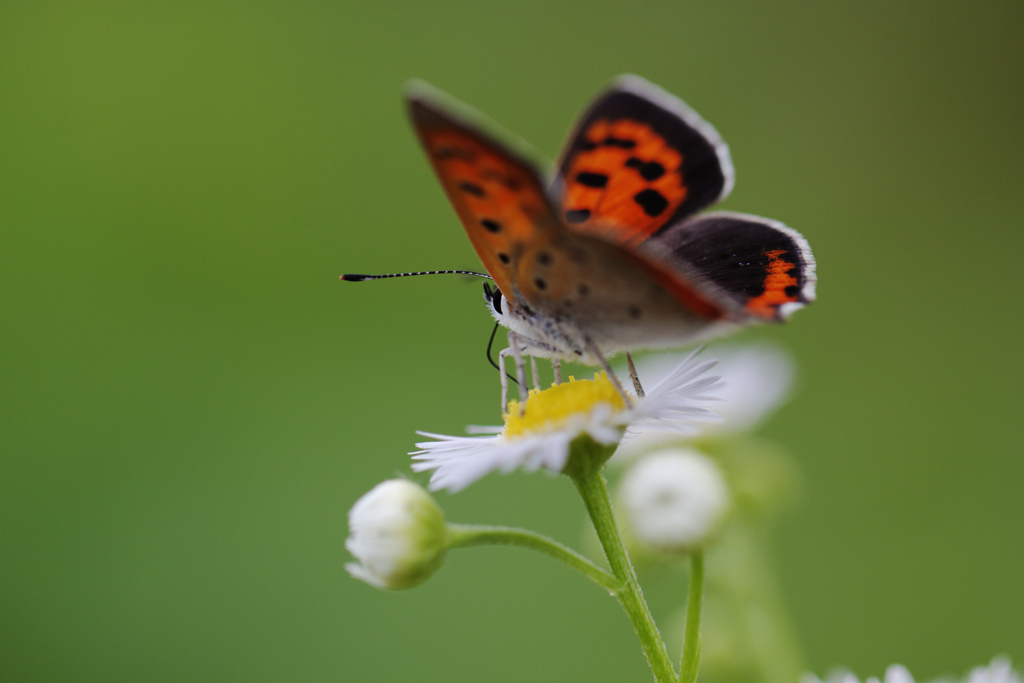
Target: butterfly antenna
x: 490, y: 344
x: 356, y: 277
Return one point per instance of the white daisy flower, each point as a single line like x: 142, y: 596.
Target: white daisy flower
x: 539, y: 438
x: 397, y: 534
x: 673, y: 499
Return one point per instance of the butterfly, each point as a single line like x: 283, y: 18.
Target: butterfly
x: 610, y: 255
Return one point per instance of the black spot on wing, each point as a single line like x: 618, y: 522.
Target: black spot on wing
x: 651, y: 201
x: 652, y: 170
x: 472, y: 188
x: 648, y: 170
x: 612, y: 141
x: 490, y: 226
x: 589, y: 179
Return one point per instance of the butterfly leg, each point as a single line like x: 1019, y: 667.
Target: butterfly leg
x: 524, y: 392
x: 536, y: 375
x: 592, y: 347
x: 504, y: 379
x: 556, y: 367
x: 633, y: 376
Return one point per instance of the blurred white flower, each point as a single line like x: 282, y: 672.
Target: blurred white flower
x: 756, y: 380
x: 999, y: 670
x: 672, y: 500
x: 554, y: 417
x: 894, y: 674
x: 398, y: 535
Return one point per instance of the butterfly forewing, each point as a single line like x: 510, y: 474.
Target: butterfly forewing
x: 497, y: 195
x: 638, y: 161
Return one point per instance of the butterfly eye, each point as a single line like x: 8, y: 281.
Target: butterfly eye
x: 494, y: 296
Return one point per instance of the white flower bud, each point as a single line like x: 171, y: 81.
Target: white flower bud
x: 673, y: 499
x: 398, y: 535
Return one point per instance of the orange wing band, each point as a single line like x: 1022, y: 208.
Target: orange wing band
x: 776, y: 282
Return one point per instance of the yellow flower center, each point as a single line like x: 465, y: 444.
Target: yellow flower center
x: 551, y: 409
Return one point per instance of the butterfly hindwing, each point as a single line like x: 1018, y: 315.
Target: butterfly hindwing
x: 640, y: 160
x: 763, y: 266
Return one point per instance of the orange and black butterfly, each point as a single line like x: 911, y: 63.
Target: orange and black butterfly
x: 609, y: 255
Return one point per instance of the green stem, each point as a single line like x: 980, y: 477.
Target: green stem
x: 584, y: 469
x: 691, y: 640
x: 468, y: 535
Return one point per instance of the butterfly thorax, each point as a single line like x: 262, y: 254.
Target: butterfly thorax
x: 562, y: 336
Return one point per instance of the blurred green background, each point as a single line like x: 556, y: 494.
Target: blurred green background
x: 190, y: 401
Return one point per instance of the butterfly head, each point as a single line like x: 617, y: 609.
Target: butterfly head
x: 501, y: 309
